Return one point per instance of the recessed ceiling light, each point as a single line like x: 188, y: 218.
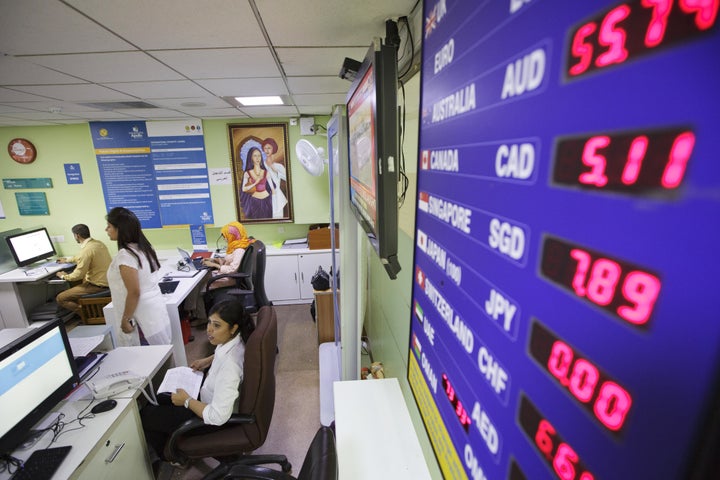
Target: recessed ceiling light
x: 255, y: 101
x: 193, y: 104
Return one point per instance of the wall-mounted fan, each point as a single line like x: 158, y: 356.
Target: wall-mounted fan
x: 312, y: 158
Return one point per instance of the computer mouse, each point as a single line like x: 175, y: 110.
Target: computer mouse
x: 104, y: 406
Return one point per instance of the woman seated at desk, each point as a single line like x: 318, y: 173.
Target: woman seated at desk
x: 237, y: 240
x: 228, y: 329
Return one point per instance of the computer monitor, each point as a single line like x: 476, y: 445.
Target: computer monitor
x: 373, y: 148
x: 37, y: 370
x: 30, y: 246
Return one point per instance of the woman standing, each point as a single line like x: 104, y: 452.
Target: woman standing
x: 255, y: 196
x: 133, y: 280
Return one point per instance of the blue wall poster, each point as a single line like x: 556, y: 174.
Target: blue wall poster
x: 565, y: 323
x: 181, y: 173
x: 156, y: 169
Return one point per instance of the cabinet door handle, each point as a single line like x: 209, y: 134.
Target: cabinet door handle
x: 295, y: 274
x: 302, y: 277
x: 115, y: 453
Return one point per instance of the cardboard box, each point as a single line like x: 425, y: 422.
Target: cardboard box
x: 319, y: 238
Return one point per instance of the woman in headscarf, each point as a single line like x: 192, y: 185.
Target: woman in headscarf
x: 237, y: 240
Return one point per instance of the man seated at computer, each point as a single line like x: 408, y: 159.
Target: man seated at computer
x: 92, y: 263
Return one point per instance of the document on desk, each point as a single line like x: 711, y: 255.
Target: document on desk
x: 182, y: 377
x: 181, y: 274
x: 81, y: 346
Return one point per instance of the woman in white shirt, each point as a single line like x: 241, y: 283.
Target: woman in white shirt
x: 228, y: 329
x: 133, y: 280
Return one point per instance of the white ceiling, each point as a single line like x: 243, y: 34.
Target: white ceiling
x: 180, y: 56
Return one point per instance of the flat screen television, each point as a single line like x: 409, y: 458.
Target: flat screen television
x: 37, y: 370
x: 373, y: 154
x: 30, y: 246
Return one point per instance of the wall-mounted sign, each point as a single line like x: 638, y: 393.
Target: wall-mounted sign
x: 32, y: 203
x: 25, y: 183
x: 21, y: 150
x: 73, y: 174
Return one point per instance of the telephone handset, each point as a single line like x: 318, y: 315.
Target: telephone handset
x: 114, y: 384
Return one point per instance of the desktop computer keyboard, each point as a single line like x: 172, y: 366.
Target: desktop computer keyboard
x: 41, y: 464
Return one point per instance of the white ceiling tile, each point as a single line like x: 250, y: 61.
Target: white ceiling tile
x: 321, y: 23
x: 318, y: 85
x: 16, y: 122
x: 221, y: 63
x: 75, y: 93
x: 152, y: 90
x: 266, y: 112
x: 154, y: 25
x: 13, y: 95
x: 317, y: 61
x: 236, y: 87
x: 109, y: 67
x: 32, y: 27
x: 315, y: 110
x: 17, y: 71
x: 214, y: 112
x: 105, y: 115
x: 319, y: 99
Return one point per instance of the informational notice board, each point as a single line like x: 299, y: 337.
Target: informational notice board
x: 156, y: 169
x: 565, y: 314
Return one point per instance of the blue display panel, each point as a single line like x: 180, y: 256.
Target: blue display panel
x: 564, y: 318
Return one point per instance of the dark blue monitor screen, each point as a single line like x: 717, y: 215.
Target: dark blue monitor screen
x: 564, y: 314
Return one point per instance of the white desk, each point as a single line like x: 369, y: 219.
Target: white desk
x: 375, y: 436
x: 111, y: 445
x: 17, y: 297
x: 172, y: 302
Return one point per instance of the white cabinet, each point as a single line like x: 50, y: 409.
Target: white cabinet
x: 121, y: 453
x: 288, y: 274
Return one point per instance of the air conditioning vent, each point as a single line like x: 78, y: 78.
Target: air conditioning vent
x: 118, y: 105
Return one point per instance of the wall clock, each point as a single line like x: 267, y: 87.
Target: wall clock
x: 21, y: 150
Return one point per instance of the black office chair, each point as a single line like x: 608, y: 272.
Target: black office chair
x: 249, y: 284
x: 247, y: 430
x: 320, y: 464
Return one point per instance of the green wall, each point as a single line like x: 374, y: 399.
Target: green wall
x: 84, y: 203
x: 388, y: 312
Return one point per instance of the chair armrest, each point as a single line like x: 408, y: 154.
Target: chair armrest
x: 226, y: 275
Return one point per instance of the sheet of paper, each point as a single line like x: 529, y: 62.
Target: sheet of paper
x: 81, y: 346
x: 182, y: 377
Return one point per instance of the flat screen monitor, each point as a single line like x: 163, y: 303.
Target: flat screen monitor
x: 30, y: 246
x: 373, y: 131
x: 37, y: 370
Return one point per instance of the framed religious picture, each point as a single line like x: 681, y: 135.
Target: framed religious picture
x: 261, y: 172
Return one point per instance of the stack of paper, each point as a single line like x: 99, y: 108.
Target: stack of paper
x: 295, y: 243
x: 182, y: 377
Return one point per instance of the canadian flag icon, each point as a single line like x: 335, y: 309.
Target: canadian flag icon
x: 425, y: 160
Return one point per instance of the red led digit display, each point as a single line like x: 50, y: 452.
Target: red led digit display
x: 457, y: 405
x: 635, y: 28
x: 560, y: 456
x: 605, y: 399
x: 637, y: 162
x: 620, y: 288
